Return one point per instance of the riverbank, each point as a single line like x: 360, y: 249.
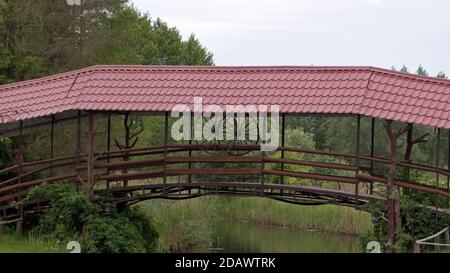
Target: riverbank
x: 189, y: 224
x: 207, y: 223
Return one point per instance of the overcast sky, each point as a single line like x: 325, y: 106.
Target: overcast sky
x: 315, y: 32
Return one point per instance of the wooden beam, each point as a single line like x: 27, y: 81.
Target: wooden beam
x: 372, y: 150
x: 52, y: 143
x: 438, y: 148
x: 390, y: 195
x: 358, y: 161
x: 283, y: 138
x: 191, y: 132
x: 108, y: 146
x: 166, y: 140
x: 19, y: 162
x: 90, y: 158
x: 448, y: 167
x: 78, y: 141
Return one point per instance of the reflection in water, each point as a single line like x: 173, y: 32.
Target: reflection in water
x: 244, y: 237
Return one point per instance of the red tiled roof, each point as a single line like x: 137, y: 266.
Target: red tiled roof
x: 335, y: 90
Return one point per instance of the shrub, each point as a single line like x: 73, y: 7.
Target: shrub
x: 71, y: 217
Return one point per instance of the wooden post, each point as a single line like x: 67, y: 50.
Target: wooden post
x: 283, y: 127
x: 90, y: 158
x: 448, y: 167
x: 372, y: 151
x: 416, y: 248
x: 398, y: 216
x: 166, y: 140
x: 108, y: 147
x: 190, y: 147
x: 390, y: 195
x: 52, y: 142
x: 19, y: 162
x: 437, y: 247
x: 78, y: 148
x: 447, y: 236
x: 264, y: 131
x: 2, y: 231
x: 358, y: 141
x: 127, y: 145
x: 438, y: 147
x: 78, y: 151
x: 19, y: 223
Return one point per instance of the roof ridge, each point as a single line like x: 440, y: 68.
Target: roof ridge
x: 224, y: 68
x: 411, y: 75
x: 363, y: 97
x: 45, y: 78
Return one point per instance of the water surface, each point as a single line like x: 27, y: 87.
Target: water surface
x: 245, y: 237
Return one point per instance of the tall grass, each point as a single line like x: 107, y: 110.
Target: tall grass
x: 182, y: 225
x: 187, y: 225
x: 326, y: 218
x: 12, y: 243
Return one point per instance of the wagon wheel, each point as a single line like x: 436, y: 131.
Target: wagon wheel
x: 228, y: 145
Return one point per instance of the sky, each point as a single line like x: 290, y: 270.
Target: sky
x: 382, y: 33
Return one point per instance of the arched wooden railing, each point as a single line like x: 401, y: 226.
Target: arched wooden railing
x: 147, y: 167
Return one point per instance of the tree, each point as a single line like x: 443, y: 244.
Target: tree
x: 441, y: 75
x: 39, y: 38
x: 421, y: 71
x: 193, y: 53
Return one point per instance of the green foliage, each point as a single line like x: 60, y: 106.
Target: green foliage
x: 441, y: 75
x: 6, y: 156
x: 421, y: 71
x: 418, y: 222
x: 71, y: 217
x: 39, y: 38
x: 404, y: 69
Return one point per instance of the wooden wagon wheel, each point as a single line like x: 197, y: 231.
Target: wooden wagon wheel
x: 228, y: 145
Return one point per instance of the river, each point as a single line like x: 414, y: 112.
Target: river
x: 244, y: 237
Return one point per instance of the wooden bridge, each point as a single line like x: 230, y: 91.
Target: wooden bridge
x: 189, y: 170
x: 172, y: 172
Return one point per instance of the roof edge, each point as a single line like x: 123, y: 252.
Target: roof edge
x: 76, y: 73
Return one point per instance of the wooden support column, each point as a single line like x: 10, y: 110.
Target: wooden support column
x: 78, y: 148
x: 52, y: 143
x: 283, y: 127
x: 108, y: 147
x: 19, y: 162
x: 90, y: 158
x: 372, y: 152
x: 264, y: 131
x: 447, y: 235
x: 358, y: 161
x: 390, y: 195
x: 2, y: 231
x: 448, y: 167
x: 438, y: 147
x: 190, y: 147
x: 166, y: 140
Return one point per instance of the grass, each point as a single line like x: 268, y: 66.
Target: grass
x: 187, y: 225
x: 325, y: 218
x: 11, y: 243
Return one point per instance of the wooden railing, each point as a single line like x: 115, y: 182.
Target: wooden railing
x: 156, y: 162
x: 436, y: 241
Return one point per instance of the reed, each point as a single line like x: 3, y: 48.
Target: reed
x: 187, y: 225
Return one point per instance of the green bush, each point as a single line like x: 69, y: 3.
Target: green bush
x: 417, y: 221
x: 70, y: 217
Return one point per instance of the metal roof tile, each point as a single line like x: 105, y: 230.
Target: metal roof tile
x: 370, y: 91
